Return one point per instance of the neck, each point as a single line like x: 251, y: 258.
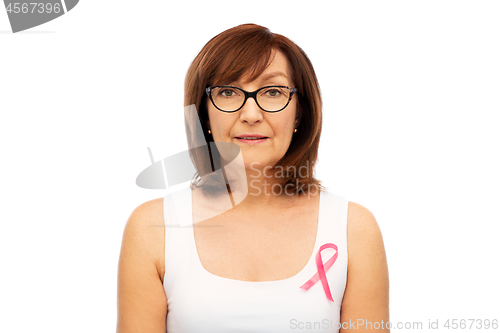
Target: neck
x: 253, y: 187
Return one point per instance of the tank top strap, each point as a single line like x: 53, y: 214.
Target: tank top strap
x: 332, y: 225
x: 178, y: 227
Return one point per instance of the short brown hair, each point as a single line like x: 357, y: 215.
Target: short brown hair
x: 246, y: 50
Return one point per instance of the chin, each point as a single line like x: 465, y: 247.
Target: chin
x: 254, y: 163
x: 260, y: 164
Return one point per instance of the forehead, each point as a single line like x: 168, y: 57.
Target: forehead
x: 279, y: 67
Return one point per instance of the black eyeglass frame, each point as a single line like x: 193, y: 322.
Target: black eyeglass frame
x: 252, y: 94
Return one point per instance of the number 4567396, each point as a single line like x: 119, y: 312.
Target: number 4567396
x: 33, y: 7
x: 471, y: 323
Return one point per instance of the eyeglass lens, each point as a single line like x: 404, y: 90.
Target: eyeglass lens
x: 269, y: 99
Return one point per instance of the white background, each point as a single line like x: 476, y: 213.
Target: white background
x: 411, y: 104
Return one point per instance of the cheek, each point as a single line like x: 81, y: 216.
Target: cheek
x: 220, y: 124
x: 213, y: 118
x: 283, y: 129
x: 211, y: 114
x: 290, y: 121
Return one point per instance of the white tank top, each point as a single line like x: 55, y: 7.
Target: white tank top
x: 201, y: 302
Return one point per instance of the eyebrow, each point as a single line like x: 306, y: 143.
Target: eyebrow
x: 273, y: 74
x: 266, y: 77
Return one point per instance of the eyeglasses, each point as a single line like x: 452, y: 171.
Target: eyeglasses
x: 231, y: 99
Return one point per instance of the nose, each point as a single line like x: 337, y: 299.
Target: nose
x: 250, y: 112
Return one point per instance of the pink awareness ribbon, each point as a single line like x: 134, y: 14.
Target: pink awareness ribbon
x: 320, y: 275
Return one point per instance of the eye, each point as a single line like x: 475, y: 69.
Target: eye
x: 273, y: 92
x: 227, y: 92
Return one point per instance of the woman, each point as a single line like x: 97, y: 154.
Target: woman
x: 267, y: 252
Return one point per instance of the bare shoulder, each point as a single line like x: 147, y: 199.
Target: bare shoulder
x: 364, y: 238
x: 149, y: 209
x: 146, y: 225
x: 142, y: 303
x: 361, y: 224
x: 367, y: 291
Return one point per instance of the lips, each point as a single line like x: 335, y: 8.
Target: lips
x: 251, y: 137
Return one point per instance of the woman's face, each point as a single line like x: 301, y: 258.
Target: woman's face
x: 250, y: 119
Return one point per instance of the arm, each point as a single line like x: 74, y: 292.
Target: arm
x: 367, y: 291
x: 142, y: 304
